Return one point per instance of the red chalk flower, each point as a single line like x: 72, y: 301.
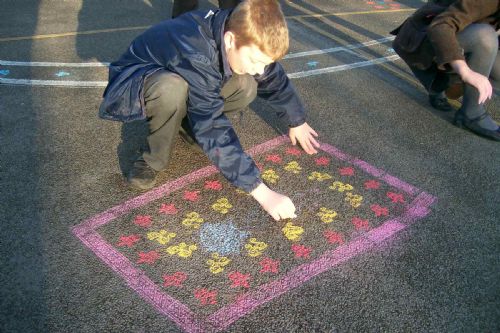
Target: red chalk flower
x: 301, y: 251
x: 148, y: 257
x: 168, y: 209
x: 269, y: 265
x: 175, y: 279
x: 334, y: 237
x: 396, y: 197
x: 128, y: 240
x: 322, y: 161
x: 379, y: 210
x: 143, y: 220
x: 213, y: 185
x: 360, y: 224
x: 239, y: 279
x: 191, y: 196
x: 273, y: 158
x: 372, y: 185
x: 347, y: 171
x: 206, y: 296
x: 293, y: 151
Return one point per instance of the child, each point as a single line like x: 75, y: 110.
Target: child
x: 449, y: 39
x: 199, y: 66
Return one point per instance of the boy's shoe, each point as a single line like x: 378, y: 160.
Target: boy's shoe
x: 141, y: 176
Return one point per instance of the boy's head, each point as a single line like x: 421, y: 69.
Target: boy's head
x: 256, y: 35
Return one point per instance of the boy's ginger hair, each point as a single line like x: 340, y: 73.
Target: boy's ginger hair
x: 262, y: 23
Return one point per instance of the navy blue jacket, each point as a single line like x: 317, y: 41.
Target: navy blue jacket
x: 192, y: 46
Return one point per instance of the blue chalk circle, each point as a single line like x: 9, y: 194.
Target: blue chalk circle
x: 62, y: 73
x: 312, y: 64
x: 223, y: 238
x: 4, y: 72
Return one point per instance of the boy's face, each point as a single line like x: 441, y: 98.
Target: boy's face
x: 248, y: 59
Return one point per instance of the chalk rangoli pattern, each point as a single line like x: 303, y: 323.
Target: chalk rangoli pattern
x: 205, y: 254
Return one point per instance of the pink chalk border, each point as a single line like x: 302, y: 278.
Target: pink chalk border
x: 224, y: 317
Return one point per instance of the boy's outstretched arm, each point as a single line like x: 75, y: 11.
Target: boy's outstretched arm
x: 305, y: 135
x: 275, y: 204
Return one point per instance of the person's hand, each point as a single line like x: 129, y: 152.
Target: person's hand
x: 305, y: 135
x: 275, y: 204
x: 478, y: 81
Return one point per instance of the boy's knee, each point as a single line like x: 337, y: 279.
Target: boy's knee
x: 165, y: 94
x: 248, y: 86
x: 169, y: 84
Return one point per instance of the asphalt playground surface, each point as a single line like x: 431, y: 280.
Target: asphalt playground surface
x: 60, y: 165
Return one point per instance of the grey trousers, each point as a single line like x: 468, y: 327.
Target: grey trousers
x: 166, y: 96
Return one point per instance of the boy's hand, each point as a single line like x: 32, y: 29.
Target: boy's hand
x: 275, y: 204
x: 304, y: 134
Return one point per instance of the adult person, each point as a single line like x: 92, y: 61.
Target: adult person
x: 201, y: 65
x: 454, y: 43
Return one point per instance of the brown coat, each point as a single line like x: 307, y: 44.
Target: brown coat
x: 429, y: 36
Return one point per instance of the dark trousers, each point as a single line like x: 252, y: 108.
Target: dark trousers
x: 480, y: 44
x: 166, y: 96
x: 183, y: 6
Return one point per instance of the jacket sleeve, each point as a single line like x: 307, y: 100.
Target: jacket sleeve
x: 444, y: 27
x: 213, y: 131
x: 275, y: 87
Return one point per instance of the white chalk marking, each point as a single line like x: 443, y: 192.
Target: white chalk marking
x: 57, y: 83
x: 97, y: 84
x: 339, y: 48
x: 53, y: 64
x: 342, y: 67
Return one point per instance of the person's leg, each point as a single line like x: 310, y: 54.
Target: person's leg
x: 437, y: 98
x: 239, y: 92
x: 480, y: 44
x: 182, y: 6
x: 165, y: 96
x: 226, y: 4
x: 495, y: 74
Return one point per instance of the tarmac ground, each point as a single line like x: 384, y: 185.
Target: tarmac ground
x: 433, y: 265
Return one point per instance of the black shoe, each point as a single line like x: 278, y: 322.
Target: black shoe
x: 141, y: 176
x: 440, y: 103
x: 462, y: 121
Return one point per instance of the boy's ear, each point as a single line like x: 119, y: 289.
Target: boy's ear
x: 230, y: 40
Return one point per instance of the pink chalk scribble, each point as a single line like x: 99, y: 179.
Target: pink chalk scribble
x: 372, y: 185
x: 301, y: 251
x: 168, y: 209
x: 206, y: 296
x: 148, y: 257
x: 274, y: 158
x: 192, y: 195
x: 269, y: 265
x: 213, y: 185
x: 379, y: 210
x: 128, y: 241
x: 176, y: 279
x: 239, y: 280
x: 334, y: 237
x: 143, y: 220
